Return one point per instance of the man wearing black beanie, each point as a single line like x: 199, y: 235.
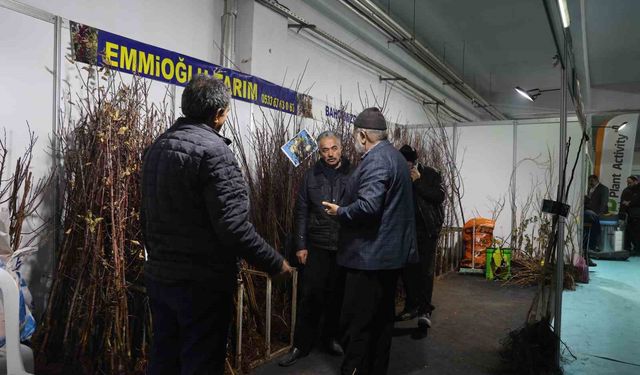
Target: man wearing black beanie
x: 377, y: 238
x: 417, y: 278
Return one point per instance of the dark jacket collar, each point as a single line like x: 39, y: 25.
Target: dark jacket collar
x: 188, y: 121
x: 345, y: 165
x: 379, y: 146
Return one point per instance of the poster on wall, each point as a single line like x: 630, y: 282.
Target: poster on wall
x: 615, y: 141
x: 101, y: 48
x: 300, y: 147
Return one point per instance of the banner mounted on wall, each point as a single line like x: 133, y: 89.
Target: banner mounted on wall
x: 614, y: 147
x: 102, y: 48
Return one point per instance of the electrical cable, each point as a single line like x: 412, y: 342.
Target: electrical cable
x: 575, y: 164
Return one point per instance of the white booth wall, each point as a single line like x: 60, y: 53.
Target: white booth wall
x: 26, y: 94
x: 487, y: 154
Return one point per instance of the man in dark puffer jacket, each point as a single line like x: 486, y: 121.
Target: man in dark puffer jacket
x: 317, y: 244
x: 195, y: 224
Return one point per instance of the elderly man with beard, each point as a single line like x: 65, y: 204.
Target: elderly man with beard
x: 317, y: 243
x: 377, y: 237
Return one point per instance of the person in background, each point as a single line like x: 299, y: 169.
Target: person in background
x: 598, y: 196
x: 195, y: 225
x: 596, y: 204
x: 317, y: 243
x: 417, y: 278
x: 377, y: 238
x: 625, y: 197
x: 630, y: 215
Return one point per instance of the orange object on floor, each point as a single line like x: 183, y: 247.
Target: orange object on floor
x: 478, y: 235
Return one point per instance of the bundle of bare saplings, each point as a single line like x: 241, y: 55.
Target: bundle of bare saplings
x: 97, y: 318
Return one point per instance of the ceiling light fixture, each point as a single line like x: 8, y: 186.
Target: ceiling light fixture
x: 532, y: 94
x: 564, y: 13
x: 622, y: 125
x: 524, y: 93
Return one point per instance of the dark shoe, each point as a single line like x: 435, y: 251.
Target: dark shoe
x: 406, y: 315
x: 334, y: 348
x: 592, y: 263
x: 424, y: 321
x: 292, y: 357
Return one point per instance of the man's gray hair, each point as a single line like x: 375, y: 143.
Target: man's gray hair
x: 328, y: 134
x: 374, y: 135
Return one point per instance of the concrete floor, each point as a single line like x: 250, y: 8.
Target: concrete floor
x: 602, y: 319
x: 471, y: 318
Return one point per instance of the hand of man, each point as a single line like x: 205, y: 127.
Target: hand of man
x: 286, y: 268
x: 415, y: 174
x: 330, y: 208
x: 302, y: 256
x: 626, y: 203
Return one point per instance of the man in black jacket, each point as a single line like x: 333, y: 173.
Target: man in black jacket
x: 625, y: 200
x: 417, y: 278
x: 630, y: 215
x: 596, y: 205
x: 598, y: 195
x: 194, y: 217
x: 317, y: 244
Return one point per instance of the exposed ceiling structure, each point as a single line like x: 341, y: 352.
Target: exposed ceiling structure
x: 496, y: 45
x: 606, y: 43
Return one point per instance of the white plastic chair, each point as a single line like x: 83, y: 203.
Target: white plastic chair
x: 14, y: 354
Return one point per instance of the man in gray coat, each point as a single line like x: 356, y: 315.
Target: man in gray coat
x: 377, y: 237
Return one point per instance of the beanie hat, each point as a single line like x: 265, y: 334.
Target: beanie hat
x: 370, y: 118
x: 409, y: 153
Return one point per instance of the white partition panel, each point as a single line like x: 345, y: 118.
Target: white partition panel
x: 575, y: 197
x: 537, y: 171
x: 26, y: 94
x: 485, y: 156
x: 26, y: 85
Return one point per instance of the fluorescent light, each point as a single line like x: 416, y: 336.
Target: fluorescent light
x: 622, y: 125
x: 564, y: 13
x: 523, y: 93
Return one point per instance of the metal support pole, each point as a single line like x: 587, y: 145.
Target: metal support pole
x: 55, y: 130
x: 514, y: 207
x: 268, y: 318
x: 559, y: 270
x: 294, y: 305
x: 239, y: 323
x: 227, y: 55
x: 173, y: 102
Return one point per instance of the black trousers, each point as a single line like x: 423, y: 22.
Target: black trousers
x: 592, y: 237
x: 322, y: 287
x: 190, y: 326
x: 367, y: 317
x: 633, y: 232
x: 417, y: 278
